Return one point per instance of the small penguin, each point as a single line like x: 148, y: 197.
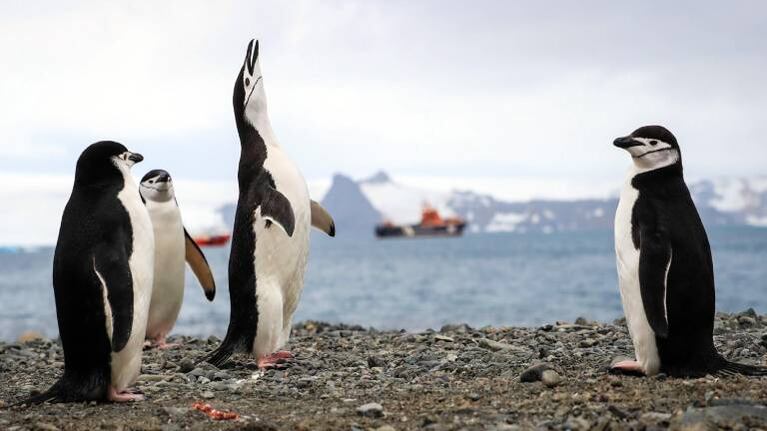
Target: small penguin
x: 173, y: 245
x: 665, y: 270
x: 102, y: 279
x: 270, y: 241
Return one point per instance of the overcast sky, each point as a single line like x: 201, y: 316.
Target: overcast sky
x: 438, y: 89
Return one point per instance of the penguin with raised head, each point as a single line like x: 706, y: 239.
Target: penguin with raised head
x: 102, y: 279
x: 665, y: 269
x: 173, y: 246
x: 270, y: 241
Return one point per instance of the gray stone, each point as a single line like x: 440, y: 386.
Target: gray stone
x: 726, y: 416
x: 186, y: 365
x: 551, y: 378
x: 535, y: 372
x: 207, y: 395
x: 371, y: 410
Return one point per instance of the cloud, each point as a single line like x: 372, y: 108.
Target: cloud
x: 429, y: 89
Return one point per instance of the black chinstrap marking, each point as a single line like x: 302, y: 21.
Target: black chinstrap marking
x: 653, y: 151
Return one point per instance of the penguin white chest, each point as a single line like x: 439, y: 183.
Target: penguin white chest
x: 169, y: 261
x: 280, y: 260
x: 126, y: 364
x: 627, y: 258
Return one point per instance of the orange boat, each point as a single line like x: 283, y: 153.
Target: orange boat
x: 212, y: 240
x: 432, y: 224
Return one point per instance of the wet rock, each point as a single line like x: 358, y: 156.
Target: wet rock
x: 371, y: 410
x: 376, y: 361
x: 535, y: 372
x: 186, y: 365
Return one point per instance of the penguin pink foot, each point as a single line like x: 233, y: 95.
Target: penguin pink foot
x: 275, y: 360
x: 126, y: 395
x: 627, y: 367
x: 159, y: 343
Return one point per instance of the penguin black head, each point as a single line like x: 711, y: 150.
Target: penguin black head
x: 157, y: 186
x: 249, y: 98
x: 104, y: 161
x: 651, y: 147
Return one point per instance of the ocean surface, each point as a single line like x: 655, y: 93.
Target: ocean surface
x: 490, y: 279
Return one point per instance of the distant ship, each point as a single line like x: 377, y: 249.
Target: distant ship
x: 212, y: 240
x: 431, y: 225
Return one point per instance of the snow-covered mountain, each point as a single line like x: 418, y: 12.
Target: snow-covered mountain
x: 358, y: 205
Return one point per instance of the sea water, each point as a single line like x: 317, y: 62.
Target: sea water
x: 488, y: 279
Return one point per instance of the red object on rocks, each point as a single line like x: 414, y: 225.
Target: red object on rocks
x: 216, y: 415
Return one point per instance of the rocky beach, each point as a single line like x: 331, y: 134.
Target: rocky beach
x: 456, y: 377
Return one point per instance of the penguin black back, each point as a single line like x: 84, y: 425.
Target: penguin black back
x: 675, y: 268
x: 93, y: 220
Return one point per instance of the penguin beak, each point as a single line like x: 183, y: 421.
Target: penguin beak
x: 163, y: 178
x: 626, y: 142
x: 135, y: 157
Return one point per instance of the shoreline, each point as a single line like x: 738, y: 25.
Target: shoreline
x: 349, y: 377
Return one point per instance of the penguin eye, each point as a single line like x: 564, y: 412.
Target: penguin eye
x: 247, y: 82
x: 653, y: 142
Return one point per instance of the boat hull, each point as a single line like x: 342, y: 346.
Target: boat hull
x: 414, y: 231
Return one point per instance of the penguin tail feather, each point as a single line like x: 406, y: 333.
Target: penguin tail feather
x: 52, y: 395
x: 219, y: 356
x: 733, y: 368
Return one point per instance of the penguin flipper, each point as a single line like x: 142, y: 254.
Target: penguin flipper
x: 196, y: 260
x: 276, y: 208
x: 111, y: 265
x: 322, y: 220
x: 655, y: 256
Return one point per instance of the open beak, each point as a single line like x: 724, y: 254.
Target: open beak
x: 135, y: 157
x: 626, y: 142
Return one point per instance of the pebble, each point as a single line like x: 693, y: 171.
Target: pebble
x: 371, y: 410
x: 535, y: 372
x: 197, y: 372
x: 186, y: 365
x: 442, y: 380
x: 551, y: 378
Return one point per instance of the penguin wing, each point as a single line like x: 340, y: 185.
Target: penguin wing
x: 276, y: 208
x: 655, y: 255
x: 200, y: 267
x: 111, y: 265
x: 322, y: 220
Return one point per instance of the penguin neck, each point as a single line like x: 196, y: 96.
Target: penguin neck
x: 256, y: 121
x: 254, y: 134
x: 667, y: 179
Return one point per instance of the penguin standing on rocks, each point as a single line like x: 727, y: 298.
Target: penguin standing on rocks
x: 173, y: 246
x: 102, y: 279
x: 665, y: 268
x: 270, y: 241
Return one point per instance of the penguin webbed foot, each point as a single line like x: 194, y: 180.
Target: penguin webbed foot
x: 276, y: 361
x: 159, y: 343
x: 126, y: 395
x: 627, y: 368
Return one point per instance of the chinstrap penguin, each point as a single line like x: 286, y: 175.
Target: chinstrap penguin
x: 665, y: 267
x: 102, y: 279
x: 270, y: 241
x: 173, y: 246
